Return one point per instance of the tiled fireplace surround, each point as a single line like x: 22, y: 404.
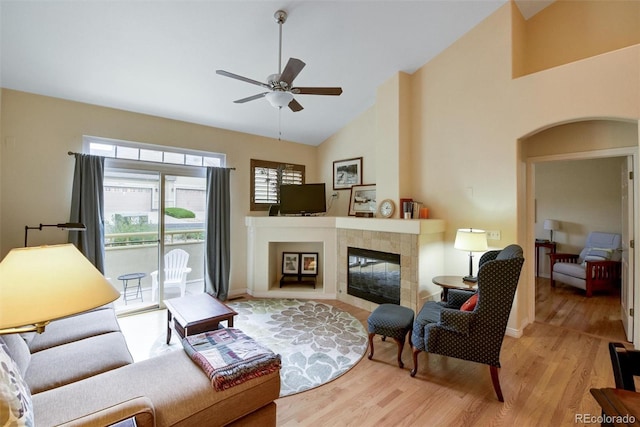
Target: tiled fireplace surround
x: 419, y: 243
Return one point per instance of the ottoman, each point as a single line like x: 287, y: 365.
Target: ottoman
x: 390, y: 320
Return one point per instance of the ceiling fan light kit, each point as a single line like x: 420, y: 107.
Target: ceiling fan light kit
x: 280, y: 85
x: 279, y: 99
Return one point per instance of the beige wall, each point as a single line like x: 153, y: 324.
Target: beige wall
x: 36, y: 172
x: 357, y: 139
x: 584, y: 195
x: 570, y: 30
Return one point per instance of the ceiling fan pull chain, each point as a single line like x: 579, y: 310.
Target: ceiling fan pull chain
x: 279, y: 123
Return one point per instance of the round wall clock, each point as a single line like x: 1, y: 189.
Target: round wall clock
x: 386, y: 208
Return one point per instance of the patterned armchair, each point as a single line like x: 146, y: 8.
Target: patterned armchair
x: 442, y: 328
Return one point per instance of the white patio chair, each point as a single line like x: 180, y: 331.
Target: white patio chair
x: 175, y: 270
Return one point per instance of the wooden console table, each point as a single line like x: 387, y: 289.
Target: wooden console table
x: 621, y: 406
x: 552, y: 250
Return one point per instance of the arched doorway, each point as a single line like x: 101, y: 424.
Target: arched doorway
x: 588, y: 139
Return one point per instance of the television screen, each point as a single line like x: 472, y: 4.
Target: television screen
x: 302, y: 199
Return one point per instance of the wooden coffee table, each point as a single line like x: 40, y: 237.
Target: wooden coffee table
x: 195, y: 314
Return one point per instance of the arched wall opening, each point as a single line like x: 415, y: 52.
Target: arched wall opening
x: 588, y: 139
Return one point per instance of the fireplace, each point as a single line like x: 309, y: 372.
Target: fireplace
x: 373, y: 275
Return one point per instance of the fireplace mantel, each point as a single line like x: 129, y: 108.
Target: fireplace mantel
x: 418, y: 241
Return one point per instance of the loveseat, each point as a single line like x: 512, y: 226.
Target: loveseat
x: 79, y: 372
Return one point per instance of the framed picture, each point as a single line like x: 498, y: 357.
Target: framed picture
x: 309, y: 263
x: 290, y: 263
x: 363, y: 199
x: 347, y: 173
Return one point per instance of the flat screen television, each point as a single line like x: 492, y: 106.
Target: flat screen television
x: 302, y: 199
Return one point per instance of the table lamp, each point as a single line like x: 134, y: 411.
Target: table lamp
x: 551, y: 225
x: 471, y: 240
x: 44, y: 283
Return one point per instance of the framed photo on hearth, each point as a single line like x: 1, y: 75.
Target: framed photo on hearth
x: 363, y: 199
x: 309, y: 263
x: 290, y: 263
x: 347, y: 173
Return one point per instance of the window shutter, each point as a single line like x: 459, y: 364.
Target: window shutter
x: 266, y: 179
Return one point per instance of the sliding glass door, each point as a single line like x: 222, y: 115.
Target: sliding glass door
x: 136, y: 233
x: 132, y: 234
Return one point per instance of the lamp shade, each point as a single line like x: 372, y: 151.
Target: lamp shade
x: 279, y: 98
x: 471, y: 240
x: 551, y: 224
x: 43, y: 283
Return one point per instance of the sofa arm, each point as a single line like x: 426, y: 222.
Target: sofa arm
x: 603, y: 270
x: 139, y: 407
x: 560, y: 257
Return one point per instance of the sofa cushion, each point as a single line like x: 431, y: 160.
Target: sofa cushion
x: 18, y: 351
x: 16, y: 406
x: 181, y: 394
x: 570, y: 269
x: 64, y: 364
x: 74, y: 328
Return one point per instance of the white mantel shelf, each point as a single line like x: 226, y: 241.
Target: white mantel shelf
x: 408, y: 226
x: 390, y: 225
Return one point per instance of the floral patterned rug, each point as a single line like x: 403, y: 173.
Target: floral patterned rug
x: 317, y: 342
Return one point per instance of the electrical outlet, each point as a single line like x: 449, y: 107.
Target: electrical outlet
x: 493, y: 235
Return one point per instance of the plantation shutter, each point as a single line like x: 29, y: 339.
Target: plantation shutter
x: 266, y: 179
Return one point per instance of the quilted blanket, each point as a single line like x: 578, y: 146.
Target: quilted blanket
x: 229, y: 357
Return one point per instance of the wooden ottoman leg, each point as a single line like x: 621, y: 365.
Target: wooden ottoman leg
x: 371, y: 345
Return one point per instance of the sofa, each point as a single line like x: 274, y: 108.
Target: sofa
x: 79, y: 372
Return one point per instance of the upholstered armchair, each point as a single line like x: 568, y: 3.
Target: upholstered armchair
x: 476, y: 335
x: 596, y: 268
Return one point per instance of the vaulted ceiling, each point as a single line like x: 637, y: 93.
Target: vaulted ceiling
x: 160, y: 57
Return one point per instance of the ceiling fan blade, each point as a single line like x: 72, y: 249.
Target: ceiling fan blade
x: 291, y: 70
x: 250, y: 98
x: 295, y: 106
x: 317, y: 90
x: 244, y: 79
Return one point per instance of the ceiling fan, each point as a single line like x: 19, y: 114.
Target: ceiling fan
x: 280, y: 85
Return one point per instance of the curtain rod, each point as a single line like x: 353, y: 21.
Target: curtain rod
x: 71, y: 153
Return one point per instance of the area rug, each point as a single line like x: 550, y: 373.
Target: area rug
x: 316, y: 342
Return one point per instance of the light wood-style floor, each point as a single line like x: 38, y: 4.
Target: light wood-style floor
x: 546, y: 375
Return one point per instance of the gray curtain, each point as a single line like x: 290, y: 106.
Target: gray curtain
x: 87, y: 207
x: 218, y: 233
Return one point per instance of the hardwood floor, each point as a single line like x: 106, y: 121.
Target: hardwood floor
x: 545, y: 376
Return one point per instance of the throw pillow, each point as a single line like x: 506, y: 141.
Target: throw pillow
x: 470, y: 304
x: 16, y: 408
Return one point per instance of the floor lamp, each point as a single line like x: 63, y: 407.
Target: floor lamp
x: 44, y: 283
x: 72, y: 226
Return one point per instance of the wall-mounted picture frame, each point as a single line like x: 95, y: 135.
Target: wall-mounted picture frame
x: 309, y: 263
x: 347, y: 173
x: 290, y: 263
x: 363, y: 200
